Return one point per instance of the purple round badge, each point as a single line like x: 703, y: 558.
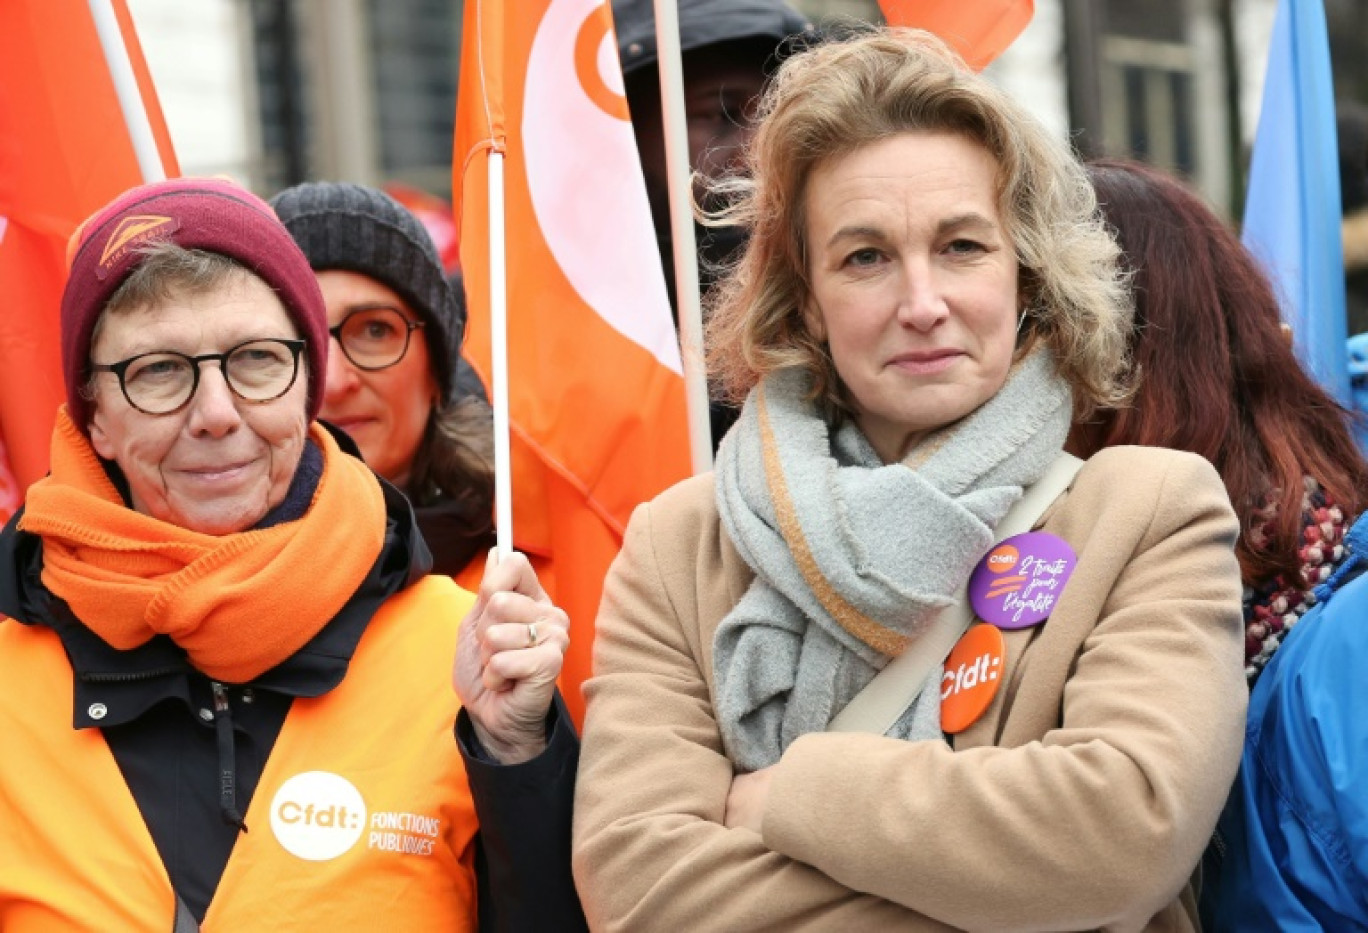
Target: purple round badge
x: 1018, y: 583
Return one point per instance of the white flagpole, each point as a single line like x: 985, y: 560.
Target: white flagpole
x: 679, y: 174
x: 126, y: 87
x: 498, y: 315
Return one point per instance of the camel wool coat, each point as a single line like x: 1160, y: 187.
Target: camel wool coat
x: 1081, y: 800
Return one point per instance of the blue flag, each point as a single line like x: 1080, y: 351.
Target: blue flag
x: 1292, y: 210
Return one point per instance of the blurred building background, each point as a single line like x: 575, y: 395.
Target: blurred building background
x: 278, y: 91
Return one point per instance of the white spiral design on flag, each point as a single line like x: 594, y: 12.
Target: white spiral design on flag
x: 585, y: 181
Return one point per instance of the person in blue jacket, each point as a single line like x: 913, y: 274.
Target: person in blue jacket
x: 1291, y: 848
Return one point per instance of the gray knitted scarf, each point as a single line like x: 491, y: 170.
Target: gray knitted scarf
x: 853, y: 558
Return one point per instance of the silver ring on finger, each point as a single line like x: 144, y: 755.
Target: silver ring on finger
x: 531, y: 634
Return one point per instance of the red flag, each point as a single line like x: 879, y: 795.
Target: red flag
x: 597, y: 396
x: 65, y: 150
x: 977, y: 29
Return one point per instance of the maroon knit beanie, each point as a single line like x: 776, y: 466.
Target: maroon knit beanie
x: 206, y: 214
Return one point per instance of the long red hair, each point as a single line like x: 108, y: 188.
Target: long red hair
x: 1217, y: 373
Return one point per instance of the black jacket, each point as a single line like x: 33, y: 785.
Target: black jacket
x: 173, y: 733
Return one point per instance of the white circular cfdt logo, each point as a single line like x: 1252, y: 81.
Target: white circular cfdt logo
x: 318, y: 815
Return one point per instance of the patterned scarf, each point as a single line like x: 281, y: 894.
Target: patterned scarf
x: 1272, y: 608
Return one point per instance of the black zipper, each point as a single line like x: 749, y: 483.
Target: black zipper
x: 223, y: 727
x: 130, y: 676
x: 220, y: 697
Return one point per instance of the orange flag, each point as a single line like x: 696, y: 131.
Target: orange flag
x: 977, y: 29
x: 596, y: 392
x: 10, y: 494
x: 65, y: 150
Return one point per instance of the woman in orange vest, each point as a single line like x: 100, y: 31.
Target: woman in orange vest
x: 395, y: 381
x: 226, y: 683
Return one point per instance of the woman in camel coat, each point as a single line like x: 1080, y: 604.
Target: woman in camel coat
x: 927, y: 302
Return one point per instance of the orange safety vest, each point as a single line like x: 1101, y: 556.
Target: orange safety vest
x: 362, y: 820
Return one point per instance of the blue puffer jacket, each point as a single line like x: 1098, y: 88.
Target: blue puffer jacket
x: 1292, y: 845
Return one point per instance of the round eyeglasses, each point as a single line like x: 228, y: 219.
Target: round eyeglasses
x: 164, y: 381
x: 374, y: 338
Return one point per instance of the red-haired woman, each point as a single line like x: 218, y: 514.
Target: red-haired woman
x: 1218, y: 378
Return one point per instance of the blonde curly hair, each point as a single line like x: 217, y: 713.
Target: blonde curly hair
x: 838, y: 97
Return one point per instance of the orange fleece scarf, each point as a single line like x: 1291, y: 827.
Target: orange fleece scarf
x: 238, y: 604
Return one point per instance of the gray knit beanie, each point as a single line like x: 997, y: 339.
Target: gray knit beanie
x: 339, y: 225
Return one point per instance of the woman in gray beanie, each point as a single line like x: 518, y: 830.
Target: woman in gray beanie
x: 396, y: 396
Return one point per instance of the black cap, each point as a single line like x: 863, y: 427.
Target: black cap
x: 703, y: 23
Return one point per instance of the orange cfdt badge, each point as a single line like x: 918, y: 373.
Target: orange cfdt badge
x: 973, y: 674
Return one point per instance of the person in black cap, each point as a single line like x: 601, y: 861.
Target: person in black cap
x: 727, y: 46
x: 394, y: 382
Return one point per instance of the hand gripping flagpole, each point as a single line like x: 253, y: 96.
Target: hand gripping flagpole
x: 679, y: 174
x: 126, y: 87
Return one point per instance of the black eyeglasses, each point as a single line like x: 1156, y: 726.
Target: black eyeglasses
x: 164, y: 381
x: 374, y: 338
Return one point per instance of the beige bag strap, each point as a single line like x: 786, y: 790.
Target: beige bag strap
x: 877, y: 707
